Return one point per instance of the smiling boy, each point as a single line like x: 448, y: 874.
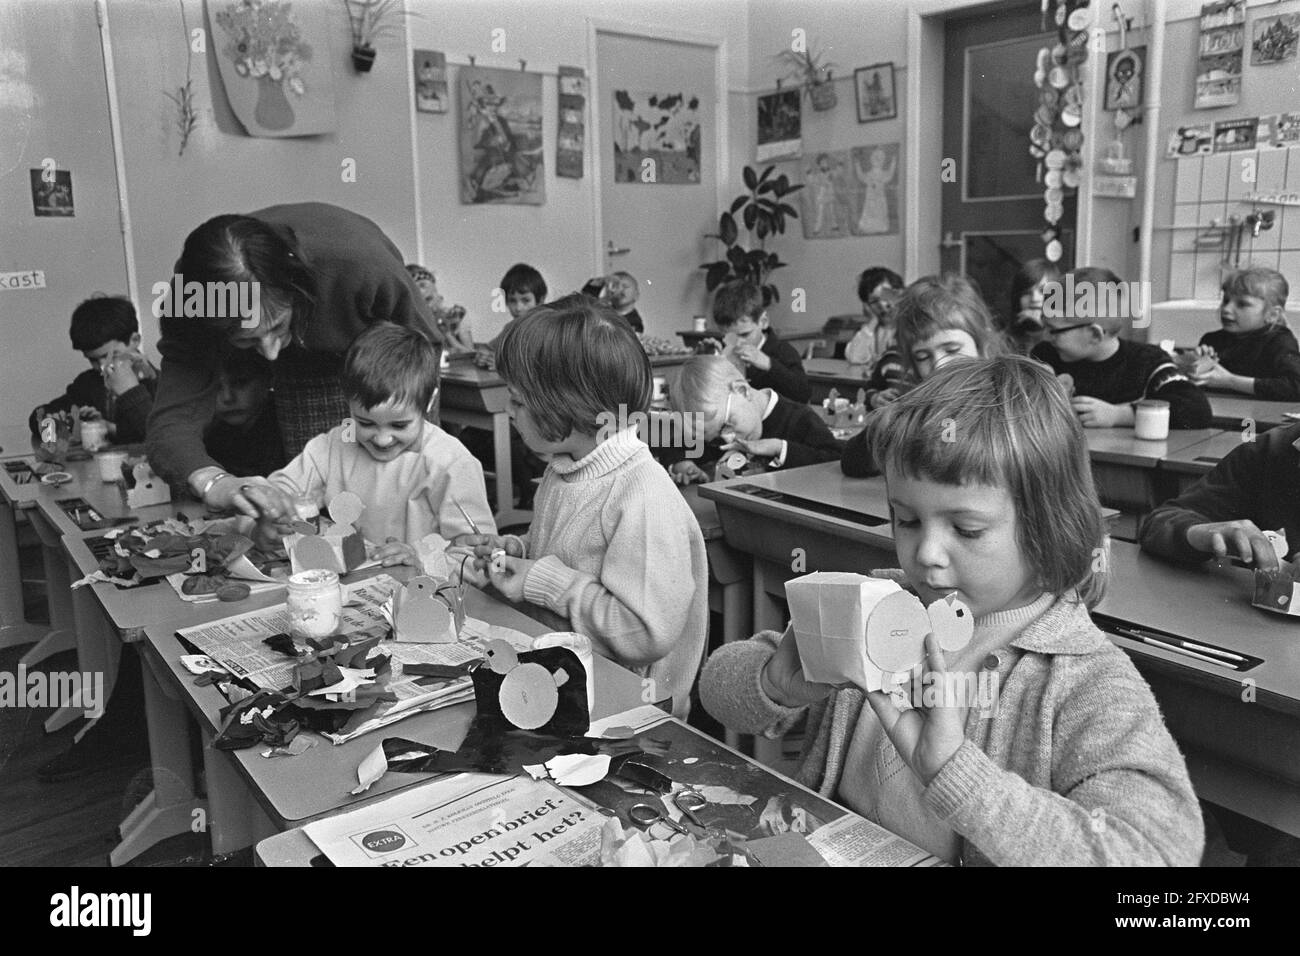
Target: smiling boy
x: 1257, y: 354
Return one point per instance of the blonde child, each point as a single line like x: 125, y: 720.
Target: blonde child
x: 613, y: 551
x: 413, y: 477
x: 754, y: 421
x: 1071, y: 764
x: 1255, y: 353
x: 938, y: 319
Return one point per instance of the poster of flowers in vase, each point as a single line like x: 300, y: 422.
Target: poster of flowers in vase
x: 274, y: 62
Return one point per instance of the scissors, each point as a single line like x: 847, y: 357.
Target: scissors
x: 690, y: 801
x: 646, y: 815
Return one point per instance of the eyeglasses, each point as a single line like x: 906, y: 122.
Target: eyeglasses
x: 1067, y: 328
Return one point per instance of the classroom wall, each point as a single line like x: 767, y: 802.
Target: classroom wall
x: 470, y: 247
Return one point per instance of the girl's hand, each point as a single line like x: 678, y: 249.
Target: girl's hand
x: 763, y: 447
x: 782, y: 678
x: 484, y: 544
x: 1094, y: 413
x: 926, y: 739
x: 882, y: 398
x: 1207, y: 351
x: 395, y: 552
x: 688, y: 473
x: 510, y: 579
x: 1216, y: 376
x: 1243, y: 537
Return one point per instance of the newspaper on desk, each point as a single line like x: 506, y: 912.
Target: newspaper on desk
x: 470, y: 819
x: 236, y: 643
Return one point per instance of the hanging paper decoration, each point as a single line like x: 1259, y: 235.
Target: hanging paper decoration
x: 573, y: 125
x: 274, y: 66
x: 430, y: 81
x: 1223, y: 39
x: 1055, y: 138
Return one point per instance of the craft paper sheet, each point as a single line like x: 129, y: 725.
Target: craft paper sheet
x: 468, y: 820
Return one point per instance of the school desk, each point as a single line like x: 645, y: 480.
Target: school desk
x: 1124, y: 466
x: 1233, y: 410
x: 250, y: 796
x: 478, y: 398
x: 1186, y: 466
x: 15, y: 496
x: 1239, y: 729
x: 691, y: 338
x: 825, y: 374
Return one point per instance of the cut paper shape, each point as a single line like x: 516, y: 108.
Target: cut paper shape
x: 148, y: 489
x: 572, y: 770
x: 529, y: 696
x: 558, y: 699
x: 339, y: 547
x: 784, y: 849
x: 855, y: 629
x: 422, y: 615
x: 501, y: 657
x: 580, y: 646
x: 314, y: 553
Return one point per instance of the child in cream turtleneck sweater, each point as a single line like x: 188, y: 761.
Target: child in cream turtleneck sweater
x: 614, y: 552
x: 1068, y: 762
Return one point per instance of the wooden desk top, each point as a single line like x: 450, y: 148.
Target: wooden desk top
x: 297, y: 789
x: 833, y: 369
x: 1230, y: 410
x: 705, y: 511
x: 1118, y: 446
x: 1200, y: 458
x: 463, y: 371
x: 1211, y: 605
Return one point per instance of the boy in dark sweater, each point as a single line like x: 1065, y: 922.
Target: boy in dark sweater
x: 1255, y: 351
x: 120, y: 382
x: 244, y: 436
x: 768, y: 362
x: 1256, y: 488
x: 1110, y: 374
x: 735, y: 416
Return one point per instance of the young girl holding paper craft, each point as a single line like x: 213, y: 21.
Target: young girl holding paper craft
x: 1073, y: 764
x: 614, y: 552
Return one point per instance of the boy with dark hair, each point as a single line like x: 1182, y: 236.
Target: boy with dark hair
x: 751, y: 343
x: 244, y: 436
x: 120, y: 383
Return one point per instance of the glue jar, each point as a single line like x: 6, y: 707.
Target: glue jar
x: 1151, y: 420
x: 315, y: 603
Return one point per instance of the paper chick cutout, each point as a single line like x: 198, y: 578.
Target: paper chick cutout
x: 855, y: 629
x: 149, y: 489
x: 339, y: 548
x: 422, y: 615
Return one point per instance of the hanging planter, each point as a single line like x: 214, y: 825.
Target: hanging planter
x: 363, y: 58
x: 823, y: 94
x: 813, y: 73
x: 368, y: 20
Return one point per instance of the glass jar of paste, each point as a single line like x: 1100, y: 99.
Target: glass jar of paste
x: 315, y: 603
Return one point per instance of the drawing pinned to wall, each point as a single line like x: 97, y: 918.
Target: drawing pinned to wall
x: 1274, y: 39
x: 501, y: 150
x: 274, y: 66
x: 780, y: 125
x: 572, y: 130
x: 876, y: 170
x: 1223, y: 38
x: 430, y: 81
x: 656, y: 138
x: 874, y: 86
x: 828, y: 209
x: 1125, y: 79
x: 52, y: 192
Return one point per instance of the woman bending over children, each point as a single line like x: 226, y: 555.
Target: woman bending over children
x: 1071, y: 763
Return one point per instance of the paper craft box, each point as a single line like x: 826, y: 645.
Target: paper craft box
x: 338, y: 547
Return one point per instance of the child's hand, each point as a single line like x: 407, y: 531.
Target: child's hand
x: 1207, y: 351
x: 1243, y: 537
x: 1216, y: 376
x: 484, y: 544
x: 782, y: 678
x: 884, y: 397
x: 1094, y: 413
x: 752, y: 355
x: 395, y: 552
x: 119, y: 374
x: 688, y: 473
x: 485, y: 359
x: 507, y: 575
x: 928, y: 738
x: 763, y: 447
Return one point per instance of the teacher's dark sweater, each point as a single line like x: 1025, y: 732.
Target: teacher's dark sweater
x: 1269, y: 355
x: 361, y: 279
x: 1258, y: 481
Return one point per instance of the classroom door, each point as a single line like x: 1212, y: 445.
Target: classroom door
x: 55, y: 122
x: 992, y: 216
x: 658, y: 190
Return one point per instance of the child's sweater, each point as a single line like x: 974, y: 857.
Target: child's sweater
x: 1136, y: 371
x: 1075, y: 767
x: 1269, y: 355
x: 407, y: 498
x: 786, y: 377
x: 130, y: 409
x: 1258, y: 481
x: 620, y: 556
x: 808, y: 440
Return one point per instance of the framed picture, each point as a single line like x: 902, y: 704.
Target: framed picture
x: 875, y: 88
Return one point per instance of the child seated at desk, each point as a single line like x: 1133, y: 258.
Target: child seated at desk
x: 451, y: 322
x: 751, y: 343
x: 244, y: 436
x: 413, y: 477
x: 1110, y: 374
x: 1256, y: 488
x: 878, y: 291
x: 620, y: 291
x: 524, y: 289
x: 754, y: 421
x: 1070, y: 763
x: 613, y: 551
x: 1256, y: 353
x: 120, y: 382
x: 939, y: 319
x: 1024, y: 325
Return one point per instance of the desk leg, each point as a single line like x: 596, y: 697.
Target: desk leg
x: 58, y: 585
x: 14, y: 629
x: 171, y: 808
x: 735, y: 627
x: 98, y: 649
x: 235, y: 821
x: 501, y: 461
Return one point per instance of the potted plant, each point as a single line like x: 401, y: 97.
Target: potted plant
x: 369, y: 20
x: 813, y: 72
x: 763, y: 212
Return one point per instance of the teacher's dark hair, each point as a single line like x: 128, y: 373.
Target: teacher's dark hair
x: 232, y: 248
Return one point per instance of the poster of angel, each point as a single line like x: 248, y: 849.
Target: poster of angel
x: 501, y: 151
x: 656, y: 138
